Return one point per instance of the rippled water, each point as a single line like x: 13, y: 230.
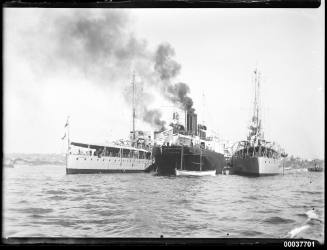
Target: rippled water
x: 43, y: 201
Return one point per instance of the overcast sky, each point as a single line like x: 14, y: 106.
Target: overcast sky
x: 60, y: 62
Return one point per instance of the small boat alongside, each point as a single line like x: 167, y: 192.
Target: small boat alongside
x: 226, y: 170
x: 8, y: 164
x: 195, y: 173
x: 316, y: 169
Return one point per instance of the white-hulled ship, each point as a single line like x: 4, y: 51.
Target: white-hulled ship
x: 90, y: 158
x: 130, y: 156
x: 256, y: 156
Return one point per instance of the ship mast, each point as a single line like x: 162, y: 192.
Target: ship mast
x: 255, y: 128
x: 133, y: 84
x: 203, y: 108
x: 259, y: 121
x: 256, y: 98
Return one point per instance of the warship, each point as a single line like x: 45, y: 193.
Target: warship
x: 256, y: 156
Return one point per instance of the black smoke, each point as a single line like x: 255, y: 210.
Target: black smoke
x: 165, y: 66
x: 99, y: 44
x: 177, y: 93
x: 153, y: 116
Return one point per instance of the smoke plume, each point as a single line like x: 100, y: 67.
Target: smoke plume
x: 177, y: 93
x: 165, y: 66
x: 167, y: 69
x: 153, y: 116
x: 99, y: 44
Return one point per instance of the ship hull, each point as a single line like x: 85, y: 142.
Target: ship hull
x: 77, y: 164
x: 169, y: 158
x: 8, y: 165
x: 315, y: 169
x: 256, y: 166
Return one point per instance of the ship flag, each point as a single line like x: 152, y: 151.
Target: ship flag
x: 63, y: 136
x: 67, y: 122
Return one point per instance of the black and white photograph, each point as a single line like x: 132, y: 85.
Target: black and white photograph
x: 164, y: 123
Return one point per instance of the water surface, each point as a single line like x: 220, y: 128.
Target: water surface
x: 42, y: 201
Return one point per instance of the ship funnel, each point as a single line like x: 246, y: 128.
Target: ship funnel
x: 191, y: 122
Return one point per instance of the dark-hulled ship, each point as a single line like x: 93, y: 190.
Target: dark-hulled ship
x: 316, y: 167
x: 186, y: 148
x: 256, y: 156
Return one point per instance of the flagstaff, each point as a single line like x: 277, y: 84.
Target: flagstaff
x: 67, y: 128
